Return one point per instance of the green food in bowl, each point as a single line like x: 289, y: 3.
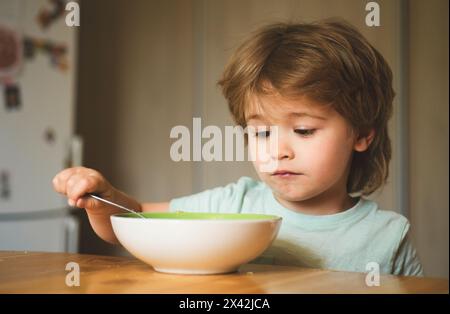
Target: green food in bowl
x: 201, y: 216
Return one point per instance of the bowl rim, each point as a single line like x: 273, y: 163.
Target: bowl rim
x: 257, y: 217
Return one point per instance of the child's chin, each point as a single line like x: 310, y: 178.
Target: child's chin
x: 292, y: 196
x: 295, y: 198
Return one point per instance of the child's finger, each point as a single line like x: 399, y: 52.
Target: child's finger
x: 86, y: 202
x: 78, y: 186
x: 60, y: 180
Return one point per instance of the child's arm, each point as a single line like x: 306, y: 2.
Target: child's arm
x: 75, y: 183
x: 155, y: 207
x: 102, y: 223
x: 406, y: 261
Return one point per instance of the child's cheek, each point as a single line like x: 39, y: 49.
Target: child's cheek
x: 262, y: 158
x: 330, y: 160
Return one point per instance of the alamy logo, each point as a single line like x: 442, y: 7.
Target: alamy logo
x: 373, y: 17
x: 73, y: 16
x: 73, y: 277
x: 373, y: 275
x: 226, y: 146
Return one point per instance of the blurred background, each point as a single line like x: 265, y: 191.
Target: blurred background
x: 107, y: 93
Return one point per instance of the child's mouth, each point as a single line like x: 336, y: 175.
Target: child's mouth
x: 285, y: 174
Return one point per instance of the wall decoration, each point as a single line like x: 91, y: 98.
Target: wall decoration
x: 56, y: 52
x: 49, y: 135
x: 12, y: 97
x: 10, y: 63
x: 10, y: 52
x: 48, y: 16
x: 13, y: 49
x: 5, y: 190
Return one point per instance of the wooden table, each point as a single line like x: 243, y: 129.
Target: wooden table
x: 33, y: 272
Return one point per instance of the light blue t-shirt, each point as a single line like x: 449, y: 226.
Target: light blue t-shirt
x: 346, y: 241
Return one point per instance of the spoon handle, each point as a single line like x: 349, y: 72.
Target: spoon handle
x: 117, y: 205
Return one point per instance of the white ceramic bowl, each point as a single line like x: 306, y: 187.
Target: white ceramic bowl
x: 196, y: 243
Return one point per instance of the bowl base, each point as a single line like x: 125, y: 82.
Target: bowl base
x: 195, y: 271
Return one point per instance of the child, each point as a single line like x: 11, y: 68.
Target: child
x: 329, y: 93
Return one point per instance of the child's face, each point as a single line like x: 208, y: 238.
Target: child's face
x: 315, y: 146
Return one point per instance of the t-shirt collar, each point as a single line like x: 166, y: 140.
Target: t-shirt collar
x: 358, y: 211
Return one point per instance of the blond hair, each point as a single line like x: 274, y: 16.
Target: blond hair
x: 330, y: 62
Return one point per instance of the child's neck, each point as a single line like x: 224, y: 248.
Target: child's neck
x: 327, y: 203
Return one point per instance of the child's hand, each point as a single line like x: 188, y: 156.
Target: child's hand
x: 76, y: 182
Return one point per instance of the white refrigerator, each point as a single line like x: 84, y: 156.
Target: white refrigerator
x: 37, y: 98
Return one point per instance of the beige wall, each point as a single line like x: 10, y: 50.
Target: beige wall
x: 429, y: 133
x: 146, y: 66
x: 135, y: 84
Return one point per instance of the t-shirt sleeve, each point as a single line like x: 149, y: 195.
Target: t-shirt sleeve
x: 406, y: 261
x: 225, y: 199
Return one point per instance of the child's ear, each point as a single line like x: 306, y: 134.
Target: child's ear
x: 363, y: 142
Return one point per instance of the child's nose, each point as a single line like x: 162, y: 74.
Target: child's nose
x: 283, y: 150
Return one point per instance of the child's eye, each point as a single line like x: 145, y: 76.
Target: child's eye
x: 262, y: 134
x: 305, y: 132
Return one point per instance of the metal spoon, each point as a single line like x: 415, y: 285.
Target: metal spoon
x: 117, y: 205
